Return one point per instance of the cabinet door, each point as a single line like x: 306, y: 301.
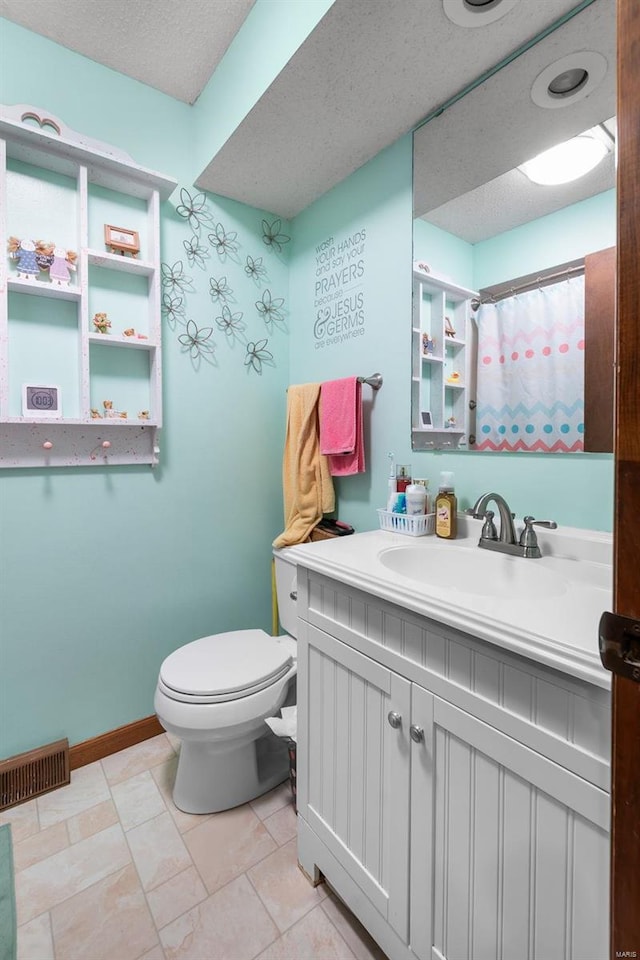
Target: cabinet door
x: 355, y: 794
x: 510, y: 849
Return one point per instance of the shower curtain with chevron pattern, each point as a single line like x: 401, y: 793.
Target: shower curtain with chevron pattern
x: 531, y: 371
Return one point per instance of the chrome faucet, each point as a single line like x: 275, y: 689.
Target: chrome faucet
x: 506, y: 541
x: 480, y: 512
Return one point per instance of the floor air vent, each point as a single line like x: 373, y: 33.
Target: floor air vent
x: 31, y: 774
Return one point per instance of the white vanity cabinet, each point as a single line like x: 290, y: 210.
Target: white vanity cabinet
x: 453, y: 793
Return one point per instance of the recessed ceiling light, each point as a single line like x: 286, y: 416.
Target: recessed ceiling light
x: 569, y: 79
x: 567, y: 82
x: 566, y: 161
x: 476, y: 13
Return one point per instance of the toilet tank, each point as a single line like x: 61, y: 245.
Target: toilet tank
x: 286, y: 584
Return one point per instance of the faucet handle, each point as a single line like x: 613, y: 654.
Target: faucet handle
x: 489, y: 531
x: 528, y: 536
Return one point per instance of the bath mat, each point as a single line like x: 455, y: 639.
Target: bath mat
x: 7, y: 897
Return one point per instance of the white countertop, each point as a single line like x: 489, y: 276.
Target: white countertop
x: 554, y: 623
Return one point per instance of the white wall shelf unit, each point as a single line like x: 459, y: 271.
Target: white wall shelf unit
x: 443, y: 377
x: 57, y: 187
x: 111, y: 261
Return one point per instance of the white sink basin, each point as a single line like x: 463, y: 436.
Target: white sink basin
x: 474, y: 571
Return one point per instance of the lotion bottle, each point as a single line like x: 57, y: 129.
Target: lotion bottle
x: 446, y: 508
x: 416, y: 495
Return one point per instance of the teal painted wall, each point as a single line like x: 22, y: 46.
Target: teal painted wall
x: 575, y: 490
x: 444, y: 253
x: 565, y: 235
x: 104, y: 571
x: 132, y: 562
x: 559, y: 237
x: 375, y: 199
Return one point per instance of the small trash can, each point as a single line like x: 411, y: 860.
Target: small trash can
x: 291, y: 747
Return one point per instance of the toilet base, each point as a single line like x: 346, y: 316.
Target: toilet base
x: 212, y: 776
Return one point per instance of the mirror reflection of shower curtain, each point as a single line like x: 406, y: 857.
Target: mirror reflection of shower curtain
x: 531, y: 371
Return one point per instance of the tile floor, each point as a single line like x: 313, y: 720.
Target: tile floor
x: 108, y: 869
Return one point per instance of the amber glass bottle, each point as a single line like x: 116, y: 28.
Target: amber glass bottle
x: 446, y: 508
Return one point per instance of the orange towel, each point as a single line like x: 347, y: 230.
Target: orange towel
x: 307, y: 483
x: 341, y: 427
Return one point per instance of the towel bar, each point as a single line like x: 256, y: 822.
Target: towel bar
x: 375, y: 380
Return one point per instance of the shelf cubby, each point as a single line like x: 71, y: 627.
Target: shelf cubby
x: 439, y: 304
x: 62, y: 188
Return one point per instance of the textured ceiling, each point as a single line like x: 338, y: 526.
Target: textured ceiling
x: 368, y: 73
x: 511, y: 200
x: 464, y: 176
x: 172, y: 46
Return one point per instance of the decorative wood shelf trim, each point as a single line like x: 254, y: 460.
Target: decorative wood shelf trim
x: 35, y: 288
x: 64, y: 153
x: 439, y: 431
x: 112, y: 261
x: 92, y: 443
x: 80, y: 421
x: 435, y: 284
x: 49, y: 421
x: 131, y: 343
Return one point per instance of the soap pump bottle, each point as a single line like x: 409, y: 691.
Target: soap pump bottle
x: 446, y: 508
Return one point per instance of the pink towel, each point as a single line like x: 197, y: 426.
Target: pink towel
x: 341, y: 434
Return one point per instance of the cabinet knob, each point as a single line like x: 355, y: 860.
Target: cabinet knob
x: 395, y: 720
x: 416, y: 733
x: 47, y: 445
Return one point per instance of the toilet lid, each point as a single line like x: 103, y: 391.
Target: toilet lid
x: 226, y: 666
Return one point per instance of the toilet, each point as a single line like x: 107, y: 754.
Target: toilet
x: 214, y: 694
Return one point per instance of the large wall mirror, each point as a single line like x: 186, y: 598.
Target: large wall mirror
x: 514, y: 280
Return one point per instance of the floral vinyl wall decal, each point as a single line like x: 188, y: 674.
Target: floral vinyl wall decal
x: 256, y: 355
x: 230, y: 323
x: 272, y: 236
x: 219, y: 290
x: 172, y: 308
x: 254, y: 268
x: 173, y: 276
x: 223, y: 243
x: 196, y: 340
x: 242, y: 330
x: 269, y: 309
x: 196, y: 253
x: 193, y: 209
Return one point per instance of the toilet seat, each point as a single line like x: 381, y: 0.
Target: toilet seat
x: 225, y: 666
